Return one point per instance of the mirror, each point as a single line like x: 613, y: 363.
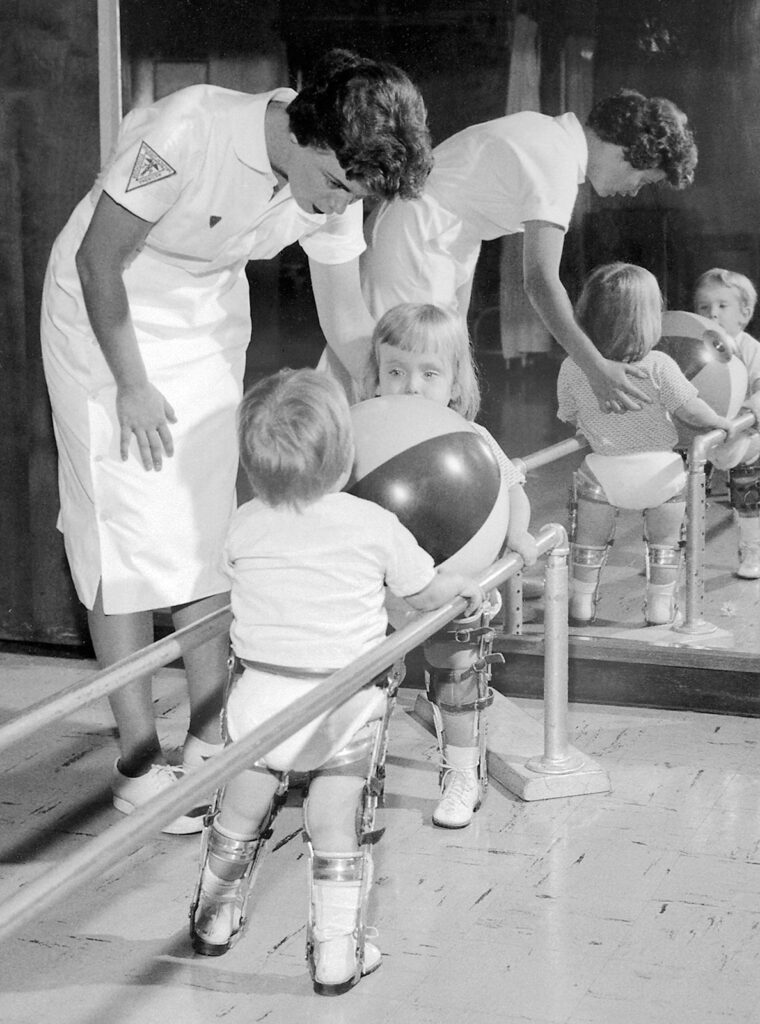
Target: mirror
x: 562, y: 57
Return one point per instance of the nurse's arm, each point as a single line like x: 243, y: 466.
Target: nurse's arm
x: 112, y: 239
x: 610, y: 381
x: 343, y: 315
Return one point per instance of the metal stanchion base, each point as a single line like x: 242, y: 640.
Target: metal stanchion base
x: 514, y: 736
x: 572, y: 762
x: 699, y: 628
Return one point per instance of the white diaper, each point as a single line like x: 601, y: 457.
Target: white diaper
x: 257, y: 695
x: 639, y: 481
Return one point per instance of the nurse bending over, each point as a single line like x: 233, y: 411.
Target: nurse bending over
x: 521, y: 174
x: 145, y: 325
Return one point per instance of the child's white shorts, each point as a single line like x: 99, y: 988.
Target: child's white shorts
x: 257, y: 695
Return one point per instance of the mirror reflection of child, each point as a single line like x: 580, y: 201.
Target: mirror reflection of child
x: 633, y: 464
x: 421, y: 349
x: 729, y: 299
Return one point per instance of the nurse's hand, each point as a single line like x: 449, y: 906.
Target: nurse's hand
x: 143, y: 411
x: 615, y: 388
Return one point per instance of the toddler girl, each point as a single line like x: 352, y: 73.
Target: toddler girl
x: 308, y: 564
x: 729, y: 299
x: 633, y: 465
x: 421, y: 349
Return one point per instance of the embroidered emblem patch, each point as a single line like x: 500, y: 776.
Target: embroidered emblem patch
x: 148, y: 167
x: 213, y: 220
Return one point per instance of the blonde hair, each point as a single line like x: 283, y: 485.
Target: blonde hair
x: 296, y: 441
x: 620, y: 309
x: 423, y: 327
x: 730, y: 278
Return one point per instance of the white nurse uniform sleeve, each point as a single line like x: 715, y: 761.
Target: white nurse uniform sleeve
x: 155, y: 153
x: 339, y: 239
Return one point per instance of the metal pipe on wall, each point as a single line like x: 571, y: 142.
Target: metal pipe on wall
x: 109, y: 75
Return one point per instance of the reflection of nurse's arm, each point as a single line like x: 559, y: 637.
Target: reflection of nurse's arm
x: 112, y: 238
x: 343, y: 315
x: 542, y: 251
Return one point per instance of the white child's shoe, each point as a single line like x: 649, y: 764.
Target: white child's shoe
x: 335, y: 963
x: 460, y: 796
x: 749, y: 547
x: 217, y: 919
x: 333, y: 947
x: 582, y: 600
x: 130, y: 793
x: 660, y: 605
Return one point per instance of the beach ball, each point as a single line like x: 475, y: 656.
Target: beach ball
x: 439, y: 475
x: 705, y: 354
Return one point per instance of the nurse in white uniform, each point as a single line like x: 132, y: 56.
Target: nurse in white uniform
x: 521, y: 173
x: 145, y: 324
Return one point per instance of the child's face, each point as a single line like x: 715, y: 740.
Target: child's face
x: 415, y: 373
x: 722, y: 304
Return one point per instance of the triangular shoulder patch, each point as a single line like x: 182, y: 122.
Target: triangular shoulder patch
x: 148, y: 167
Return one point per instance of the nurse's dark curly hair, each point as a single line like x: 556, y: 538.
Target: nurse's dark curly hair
x: 653, y: 133
x: 372, y: 117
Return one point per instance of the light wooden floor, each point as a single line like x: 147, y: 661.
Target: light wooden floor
x: 641, y: 906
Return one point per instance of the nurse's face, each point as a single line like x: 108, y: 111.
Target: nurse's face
x: 612, y: 175
x: 317, y: 181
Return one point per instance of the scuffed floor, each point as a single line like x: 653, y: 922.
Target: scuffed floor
x: 641, y: 906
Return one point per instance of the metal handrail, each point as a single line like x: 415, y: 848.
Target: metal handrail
x: 696, y: 518
x: 551, y: 454
x: 121, y: 839
x: 512, y: 594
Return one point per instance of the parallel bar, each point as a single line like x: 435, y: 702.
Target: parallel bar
x: 512, y: 593
x: 121, y: 839
x: 113, y: 678
x: 551, y: 454
x: 558, y: 758
x: 555, y: 661
x: 512, y: 599
x: 699, y: 451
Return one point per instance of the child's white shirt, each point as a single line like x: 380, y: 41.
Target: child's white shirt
x: 650, y: 428
x: 748, y: 350
x: 308, y: 587
x: 509, y: 472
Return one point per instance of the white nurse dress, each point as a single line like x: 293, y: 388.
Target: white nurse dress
x: 486, y: 182
x: 194, y: 165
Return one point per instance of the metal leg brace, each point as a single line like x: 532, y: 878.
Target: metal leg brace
x: 339, y: 883
x: 664, y: 560
x: 457, y: 675
x: 228, y: 868
x: 663, y: 539
x: 587, y: 560
x: 744, y: 483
